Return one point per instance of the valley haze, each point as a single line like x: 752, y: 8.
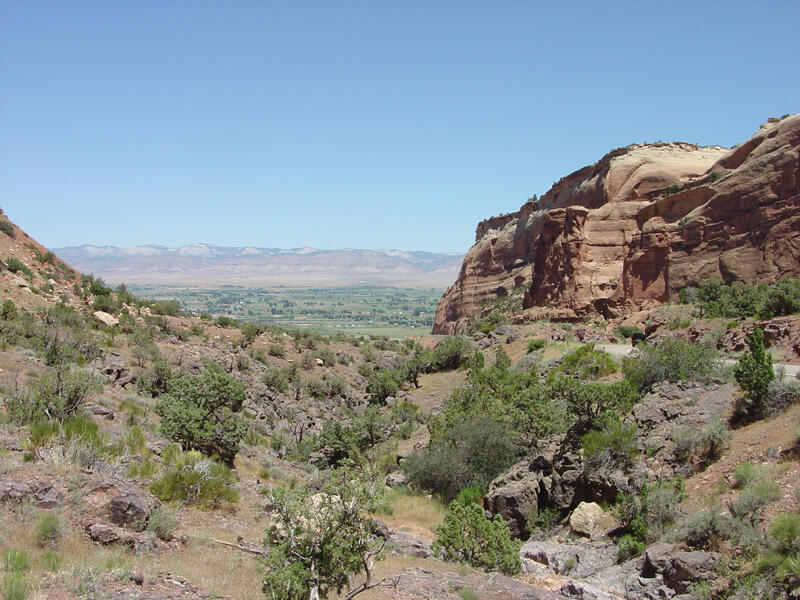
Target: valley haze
x: 248, y: 265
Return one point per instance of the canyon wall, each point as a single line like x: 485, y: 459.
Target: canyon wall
x: 631, y: 230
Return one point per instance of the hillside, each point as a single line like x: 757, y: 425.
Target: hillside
x: 632, y: 230
x: 148, y: 453
x: 209, y: 264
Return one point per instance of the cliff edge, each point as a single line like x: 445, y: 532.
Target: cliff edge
x: 631, y: 230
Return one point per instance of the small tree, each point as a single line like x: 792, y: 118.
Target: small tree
x: 753, y: 374
x: 382, y: 384
x: 203, y: 412
x: 467, y: 536
x: 318, y: 544
x: 8, y: 312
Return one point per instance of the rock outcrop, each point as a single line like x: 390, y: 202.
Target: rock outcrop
x: 631, y: 230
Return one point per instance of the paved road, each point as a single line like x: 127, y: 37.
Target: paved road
x: 624, y: 350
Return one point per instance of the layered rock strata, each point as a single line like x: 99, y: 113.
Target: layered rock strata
x: 633, y: 229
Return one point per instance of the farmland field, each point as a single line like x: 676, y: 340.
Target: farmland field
x: 366, y: 310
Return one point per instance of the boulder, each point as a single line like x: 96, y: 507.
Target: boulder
x: 680, y: 569
x: 574, y: 558
x: 131, y: 509
x: 120, y: 503
x: 515, y: 495
x: 105, y: 318
x: 395, y: 480
x: 103, y: 533
x: 591, y: 520
x: 617, y: 582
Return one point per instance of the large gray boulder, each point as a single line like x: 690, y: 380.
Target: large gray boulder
x: 516, y: 494
x: 576, y: 558
x: 121, y: 503
x: 681, y: 569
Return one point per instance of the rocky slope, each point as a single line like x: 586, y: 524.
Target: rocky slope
x: 631, y: 230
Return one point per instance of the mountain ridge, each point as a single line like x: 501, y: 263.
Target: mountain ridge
x: 209, y: 263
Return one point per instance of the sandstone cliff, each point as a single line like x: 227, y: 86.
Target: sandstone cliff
x: 637, y: 226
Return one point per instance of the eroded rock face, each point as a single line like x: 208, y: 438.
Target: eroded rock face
x: 120, y: 503
x: 609, y: 237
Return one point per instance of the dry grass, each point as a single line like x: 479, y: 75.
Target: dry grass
x: 753, y: 443
x: 414, y: 513
x: 231, y: 573
x: 435, y: 388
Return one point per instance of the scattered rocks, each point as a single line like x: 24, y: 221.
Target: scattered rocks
x: 424, y: 583
x: 41, y: 493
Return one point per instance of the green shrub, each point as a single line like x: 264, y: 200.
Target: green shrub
x: 704, y: 529
x: 276, y: 379
x: 15, y: 265
x: 56, y: 395
x: 543, y: 519
x: 7, y: 228
x: 753, y: 499
x: 195, y: 479
x: 277, y: 350
x: 226, y: 322
x: 614, y: 442
x: 745, y: 473
x: 536, y: 344
x: 8, y: 312
x: 491, y: 322
x: 468, y: 537
x: 706, y: 444
x: 162, y: 522
x: 449, y: 354
x: 587, y: 401
x: 629, y: 547
x: 468, y: 594
x: 382, y: 384
x: 626, y: 331
x: 753, y: 373
x: 50, y: 561
x: 587, y: 363
x: 673, y: 360
x: 782, y: 558
x: 14, y: 560
x: 471, y: 452
x: 47, y: 531
x: 742, y: 300
x: 13, y: 586
x: 250, y: 331
x: 204, y: 413
x: 678, y: 323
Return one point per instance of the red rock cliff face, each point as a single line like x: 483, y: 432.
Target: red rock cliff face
x: 610, y: 238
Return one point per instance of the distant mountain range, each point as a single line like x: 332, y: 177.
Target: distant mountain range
x: 248, y: 265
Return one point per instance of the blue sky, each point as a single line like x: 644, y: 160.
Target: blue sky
x: 355, y: 124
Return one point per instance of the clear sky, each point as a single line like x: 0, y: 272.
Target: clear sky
x: 356, y: 124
